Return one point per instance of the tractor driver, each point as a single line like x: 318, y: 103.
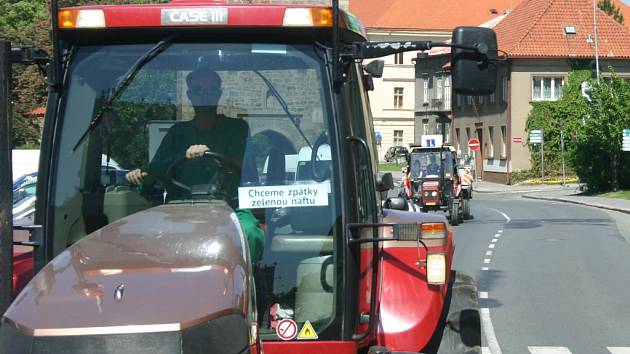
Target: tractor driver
x: 207, y: 131
x: 432, y: 168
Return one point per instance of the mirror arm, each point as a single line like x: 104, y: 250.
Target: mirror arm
x: 370, y: 50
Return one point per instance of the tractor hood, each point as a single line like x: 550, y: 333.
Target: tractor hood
x: 164, y: 269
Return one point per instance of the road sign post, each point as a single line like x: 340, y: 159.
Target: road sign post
x: 625, y: 142
x: 537, y: 137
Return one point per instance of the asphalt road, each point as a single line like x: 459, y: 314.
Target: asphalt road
x: 556, y: 279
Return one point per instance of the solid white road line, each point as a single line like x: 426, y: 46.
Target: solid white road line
x: 486, y: 260
x: 485, y: 350
x: 485, y: 268
x: 619, y: 350
x: 549, y: 350
x: 488, y: 253
x: 483, y: 294
x: 488, y: 331
x: 491, y: 245
x: 507, y: 218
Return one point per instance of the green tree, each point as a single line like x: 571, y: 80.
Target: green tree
x: 611, y: 9
x: 598, y: 157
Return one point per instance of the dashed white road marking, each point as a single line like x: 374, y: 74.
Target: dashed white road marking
x: 619, y: 350
x: 485, y: 268
x: 494, y: 240
x: 491, y: 245
x: 500, y: 231
x: 486, y: 260
x: 549, y: 350
x: 483, y: 294
x: 488, y: 331
x: 497, y: 235
x: 488, y: 253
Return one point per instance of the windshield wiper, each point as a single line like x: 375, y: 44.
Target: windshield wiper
x: 284, y: 105
x: 127, y: 77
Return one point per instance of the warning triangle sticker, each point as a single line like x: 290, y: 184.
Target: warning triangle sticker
x: 307, y: 331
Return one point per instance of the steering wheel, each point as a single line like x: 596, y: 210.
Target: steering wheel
x: 225, y: 166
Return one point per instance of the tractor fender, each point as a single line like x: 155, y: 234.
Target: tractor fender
x: 409, y: 308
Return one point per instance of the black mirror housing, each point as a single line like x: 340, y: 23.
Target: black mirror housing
x: 384, y: 182
x: 474, y: 71
x: 375, y: 68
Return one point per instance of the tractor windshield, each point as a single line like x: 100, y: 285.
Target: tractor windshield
x: 427, y: 164
x: 201, y: 122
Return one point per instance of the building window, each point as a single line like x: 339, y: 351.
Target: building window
x: 447, y: 93
x: 425, y: 82
x: 481, y: 100
x: 491, y: 142
x: 440, y: 88
x: 398, y: 97
x: 457, y: 140
x: 398, y: 58
x: 467, y: 140
x: 546, y: 88
x: 398, y: 137
x: 469, y: 100
x: 505, y: 89
x: 503, y: 141
x: 425, y: 127
x: 492, y: 98
x: 459, y: 100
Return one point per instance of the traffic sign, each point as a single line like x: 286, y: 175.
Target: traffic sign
x: 286, y: 329
x: 535, y: 133
x: 473, y: 144
x: 517, y: 139
x: 626, y: 133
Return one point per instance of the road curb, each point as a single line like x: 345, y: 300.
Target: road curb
x: 564, y: 200
x: 514, y: 192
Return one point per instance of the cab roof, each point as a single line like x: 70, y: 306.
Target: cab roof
x: 200, y: 14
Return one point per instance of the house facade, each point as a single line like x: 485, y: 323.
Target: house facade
x: 398, y: 119
x: 540, y: 39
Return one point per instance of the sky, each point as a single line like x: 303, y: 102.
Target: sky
x: 627, y: 2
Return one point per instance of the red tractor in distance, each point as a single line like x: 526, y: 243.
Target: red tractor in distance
x: 173, y: 268
x: 435, y: 183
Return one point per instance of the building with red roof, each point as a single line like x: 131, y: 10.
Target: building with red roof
x: 540, y: 38
x: 394, y: 99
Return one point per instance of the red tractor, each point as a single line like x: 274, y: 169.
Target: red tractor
x: 434, y: 181
x: 171, y: 265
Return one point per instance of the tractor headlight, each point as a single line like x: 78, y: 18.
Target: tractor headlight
x: 434, y: 193
x: 436, y: 268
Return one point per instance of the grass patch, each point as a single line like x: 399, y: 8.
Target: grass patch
x: 390, y: 166
x: 624, y: 194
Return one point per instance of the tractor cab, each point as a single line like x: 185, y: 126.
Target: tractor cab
x: 434, y: 180
x: 243, y: 207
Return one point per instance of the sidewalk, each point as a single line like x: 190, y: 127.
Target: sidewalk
x: 489, y: 187
x: 571, y: 196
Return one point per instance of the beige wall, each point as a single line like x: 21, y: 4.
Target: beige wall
x: 386, y: 117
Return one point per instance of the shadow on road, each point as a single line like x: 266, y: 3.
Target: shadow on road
x: 486, y: 282
x: 534, y: 223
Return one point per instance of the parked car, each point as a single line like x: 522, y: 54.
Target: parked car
x: 396, y: 151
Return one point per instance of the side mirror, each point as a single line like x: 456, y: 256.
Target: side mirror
x: 368, y: 82
x: 474, y: 71
x: 384, y: 182
x: 375, y: 68
x: 396, y: 203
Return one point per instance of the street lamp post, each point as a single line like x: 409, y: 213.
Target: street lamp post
x: 596, y: 43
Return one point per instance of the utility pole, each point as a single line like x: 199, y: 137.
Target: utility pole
x: 6, y: 198
x: 596, y: 42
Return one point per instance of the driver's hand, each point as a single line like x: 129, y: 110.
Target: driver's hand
x: 136, y: 176
x: 196, y: 151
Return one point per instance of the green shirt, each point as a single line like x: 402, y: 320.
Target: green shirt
x: 228, y: 137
